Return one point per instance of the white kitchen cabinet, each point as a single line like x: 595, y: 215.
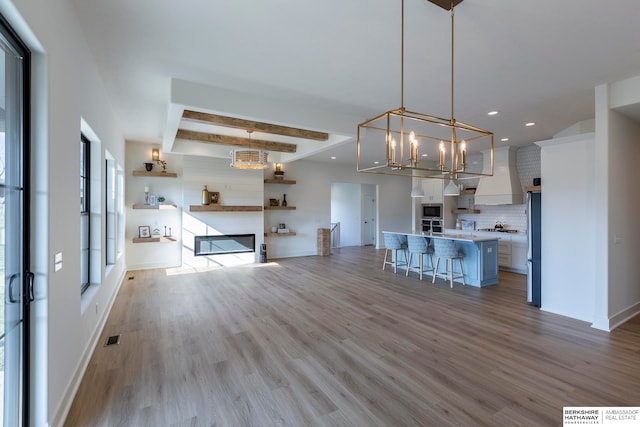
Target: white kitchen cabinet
x: 504, y: 251
x: 432, y: 190
x: 519, y: 253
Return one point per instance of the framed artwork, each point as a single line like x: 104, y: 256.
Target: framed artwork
x: 144, y: 231
x: 215, y: 197
x: 153, y: 200
x: 273, y: 202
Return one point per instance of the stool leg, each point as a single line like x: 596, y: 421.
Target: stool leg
x: 384, y: 262
x: 435, y: 270
x: 462, y: 272
x: 409, y: 263
x: 450, y: 272
x: 419, y: 264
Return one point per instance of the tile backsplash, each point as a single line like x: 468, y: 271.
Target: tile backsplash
x: 512, y: 216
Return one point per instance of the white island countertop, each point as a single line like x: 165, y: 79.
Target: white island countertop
x: 462, y: 237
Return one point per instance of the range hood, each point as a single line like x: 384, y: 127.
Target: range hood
x: 503, y: 188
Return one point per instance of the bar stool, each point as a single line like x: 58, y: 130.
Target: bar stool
x: 419, y: 245
x: 394, y: 242
x: 444, y: 248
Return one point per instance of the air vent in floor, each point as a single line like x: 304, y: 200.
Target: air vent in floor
x: 112, y: 340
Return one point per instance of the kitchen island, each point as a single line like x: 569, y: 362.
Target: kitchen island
x: 480, y: 261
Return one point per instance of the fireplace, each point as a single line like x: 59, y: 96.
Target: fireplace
x: 224, y: 244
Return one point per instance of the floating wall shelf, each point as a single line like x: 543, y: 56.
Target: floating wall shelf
x: 280, y: 181
x: 291, y: 233
x: 154, y: 239
x: 468, y: 192
x: 225, y: 208
x: 280, y: 208
x: 156, y: 207
x: 465, y: 211
x: 533, y: 188
x: 156, y: 174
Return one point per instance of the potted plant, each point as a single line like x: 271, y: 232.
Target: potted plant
x: 161, y: 200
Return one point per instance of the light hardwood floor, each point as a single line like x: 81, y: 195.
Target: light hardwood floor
x: 335, y: 341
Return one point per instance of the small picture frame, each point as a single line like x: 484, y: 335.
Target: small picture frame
x: 144, y: 231
x: 153, y: 200
x: 215, y: 197
x: 273, y: 202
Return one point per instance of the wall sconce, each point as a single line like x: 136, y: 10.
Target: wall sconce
x: 155, y: 156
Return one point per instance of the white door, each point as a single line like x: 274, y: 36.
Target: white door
x: 369, y: 209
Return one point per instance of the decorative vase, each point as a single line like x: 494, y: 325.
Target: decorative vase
x: 148, y: 166
x: 284, y: 200
x: 206, y: 198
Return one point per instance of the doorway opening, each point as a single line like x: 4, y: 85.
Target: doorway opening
x: 354, y: 214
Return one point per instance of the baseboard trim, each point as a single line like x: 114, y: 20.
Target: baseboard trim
x: 624, y: 315
x: 60, y: 414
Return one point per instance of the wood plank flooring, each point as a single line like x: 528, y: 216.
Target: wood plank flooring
x: 335, y: 341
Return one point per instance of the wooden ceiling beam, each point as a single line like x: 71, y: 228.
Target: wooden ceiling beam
x: 255, y: 126
x: 235, y: 141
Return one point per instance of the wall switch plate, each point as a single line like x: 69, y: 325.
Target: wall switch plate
x: 57, y: 262
x: 617, y: 239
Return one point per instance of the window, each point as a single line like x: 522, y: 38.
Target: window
x: 85, y: 212
x: 111, y: 225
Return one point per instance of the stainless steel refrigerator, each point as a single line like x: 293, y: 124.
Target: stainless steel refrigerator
x: 534, y: 237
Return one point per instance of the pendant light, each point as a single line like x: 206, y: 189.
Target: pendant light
x: 247, y: 158
x: 407, y: 143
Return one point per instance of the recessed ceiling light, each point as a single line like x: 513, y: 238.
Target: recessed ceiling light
x: 424, y: 154
x: 492, y: 113
x: 333, y: 157
x: 504, y: 139
x: 530, y: 124
x: 376, y: 163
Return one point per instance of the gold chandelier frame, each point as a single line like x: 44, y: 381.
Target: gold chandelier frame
x: 420, y: 145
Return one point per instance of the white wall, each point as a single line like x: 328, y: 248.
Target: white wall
x: 569, y: 261
x: 152, y: 255
x: 624, y: 229
x: 236, y: 187
x: 617, y: 151
x: 346, y: 209
x: 67, y: 87
x: 312, y: 196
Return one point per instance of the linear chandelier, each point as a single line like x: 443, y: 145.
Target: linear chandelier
x: 407, y: 143
x: 247, y: 158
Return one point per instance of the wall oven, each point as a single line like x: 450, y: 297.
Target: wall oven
x: 431, y: 211
x: 432, y: 225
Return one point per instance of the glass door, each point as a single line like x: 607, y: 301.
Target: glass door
x: 13, y: 231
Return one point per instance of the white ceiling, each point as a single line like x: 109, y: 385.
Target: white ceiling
x: 532, y: 60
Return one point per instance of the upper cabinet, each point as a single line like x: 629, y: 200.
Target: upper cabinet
x: 432, y: 190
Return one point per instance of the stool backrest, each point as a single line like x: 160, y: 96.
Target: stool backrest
x: 417, y: 244
x: 445, y: 248
x: 392, y: 241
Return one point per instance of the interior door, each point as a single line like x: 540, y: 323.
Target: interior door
x: 369, y: 209
x: 14, y: 232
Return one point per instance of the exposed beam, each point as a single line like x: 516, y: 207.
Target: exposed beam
x: 255, y: 126
x: 445, y: 4
x: 235, y: 141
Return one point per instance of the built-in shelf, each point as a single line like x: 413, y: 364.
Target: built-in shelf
x: 465, y: 211
x: 156, y: 174
x: 224, y: 208
x: 533, y: 188
x: 154, y: 239
x: 280, y: 208
x: 280, y: 181
x: 156, y: 207
x: 470, y: 191
x: 290, y: 233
